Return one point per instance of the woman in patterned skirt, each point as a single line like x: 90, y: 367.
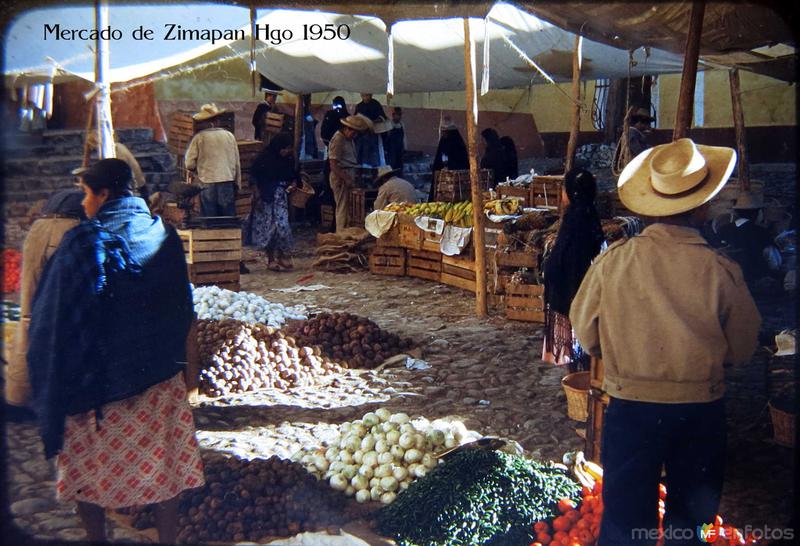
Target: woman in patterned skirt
x: 274, y: 175
x: 108, y: 337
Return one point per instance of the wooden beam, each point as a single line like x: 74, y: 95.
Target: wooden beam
x: 683, y: 117
x: 298, y: 129
x: 575, y: 128
x: 481, y: 307
x: 738, y: 124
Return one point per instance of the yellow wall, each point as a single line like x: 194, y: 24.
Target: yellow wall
x: 765, y: 101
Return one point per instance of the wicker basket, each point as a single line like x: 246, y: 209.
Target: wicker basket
x: 782, y: 426
x: 300, y: 196
x: 576, y: 386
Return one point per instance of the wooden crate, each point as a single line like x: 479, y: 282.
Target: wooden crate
x: 525, y: 302
x: 391, y: 238
x: 361, y: 202
x: 546, y: 191
x: 596, y: 372
x: 388, y: 261
x: 409, y: 234
x: 498, y: 280
x: 515, y: 259
x: 598, y: 402
x: 459, y: 271
x: 491, y: 232
x: 211, y: 245
x: 522, y: 193
x: 454, y: 186
x: 274, y: 122
x: 248, y: 150
x: 424, y: 265
x: 326, y: 216
x: 172, y: 215
x: 244, y: 202
x: 224, y: 274
x: 182, y: 128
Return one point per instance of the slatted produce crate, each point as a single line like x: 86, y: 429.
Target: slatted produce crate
x: 515, y: 259
x: 525, y: 302
x: 546, y: 190
x: 598, y: 402
x: 387, y: 260
x: 454, y: 186
x: 224, y: 274
x: 211, y: 245
x: 361, y: 202
x: 424, y: 265
x: 248, y: 150
x: 244, y: 202
x: 459, y: 271
x: 409, y: 234
x: 182, y: 128
x: 523, y: 193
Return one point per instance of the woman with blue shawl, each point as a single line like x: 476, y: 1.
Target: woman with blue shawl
x: 110, y: 321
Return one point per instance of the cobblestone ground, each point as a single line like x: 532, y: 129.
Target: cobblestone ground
x: 485, y: 372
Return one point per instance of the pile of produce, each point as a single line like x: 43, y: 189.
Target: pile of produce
x: 252, y: 500
x: 478, y: 497
x: 214, y: 303
x: 458, y: 214
x: 12, y: 269
x: 503, y: 206
x: 353, y: 341
x: 239, y: 357
x: 379, y: 455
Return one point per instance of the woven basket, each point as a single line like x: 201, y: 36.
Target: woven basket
x: 782, y: 426
x: 300, y: 196
x: 576, y: 386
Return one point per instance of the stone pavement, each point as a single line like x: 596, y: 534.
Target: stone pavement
x: 485, y: 372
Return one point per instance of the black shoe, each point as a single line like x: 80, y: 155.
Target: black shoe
x: 243, y: 269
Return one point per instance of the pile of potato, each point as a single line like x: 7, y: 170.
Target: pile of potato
x: 252, y: 500
x: 351, y: 340
x: 239, y: 357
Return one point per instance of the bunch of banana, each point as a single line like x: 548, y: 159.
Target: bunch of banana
x: 460, y: 214
x: 503, y: 206
x: 436, y: 209
x: 397, y: 207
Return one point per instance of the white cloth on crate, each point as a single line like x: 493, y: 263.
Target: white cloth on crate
x: 454, y: 239
x: 378, y: 222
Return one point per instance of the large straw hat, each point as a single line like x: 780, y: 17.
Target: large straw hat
x: 673, y: 178
x: 748, y: 201
x: 207, y: 111
x: 384, y: 172
x: 358, y: 122
x: 382, y: 125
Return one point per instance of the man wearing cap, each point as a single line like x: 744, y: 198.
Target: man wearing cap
x: 392, y: 188
x: 639, y: 131
x: 753, y: 247
x: 342, y: 159
x: 214, y: 157
x: 62, y: 212
x: 666, y: 313
x: 260, y: 115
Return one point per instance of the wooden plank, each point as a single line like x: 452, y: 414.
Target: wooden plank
x: 424, y: 264
x: 423, y: 274
x: 425, y: 254
x: 683, y: 114
x: 596, y: 372
x: 515, y: 259
x: 743, y: 169
x: 525, y: 302
x: 389, y: 251
x: 525, y: 316
x: 458, y: 282
x: 530, y: 289
x: 455, y: 271
x: 598, y: 402
x: 210, y: 234
x: 225, y: 244
x: 215, y: 266
x: 214, y: 256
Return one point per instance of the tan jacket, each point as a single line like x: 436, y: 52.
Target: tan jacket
x: 395, y: 190
x: 40, y: 243
x: 665, y: 311
x: 214, y: 154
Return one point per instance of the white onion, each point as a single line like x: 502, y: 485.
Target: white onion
x: 359, y: 482
x: 406, y: 440
x: 370, y: 459
x: 350, y: 491
x: 214, y: 303
x: 368, y: 442
x: 381, y: 446
x: 338, y: 482
x: 375, y: 493
x: 388, y: 498
x: 389, y: 483
x: 383, y: 471
x: 397, y: 452
x: 358, y: 457
x: 392, y: 437
x: 366, y: 471
x: 385, y: 458
x: 412, y: 456
x: 362, y: 495
x: 400, y: 473
x: 383, y: 414
x: 370, y: 419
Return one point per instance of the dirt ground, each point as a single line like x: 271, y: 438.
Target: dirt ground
x: 498, y: 361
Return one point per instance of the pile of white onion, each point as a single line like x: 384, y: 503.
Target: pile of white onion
x: 215, y: 303
x: 378, y: 456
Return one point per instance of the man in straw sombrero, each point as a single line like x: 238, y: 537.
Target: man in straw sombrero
x: 213, y: 156
x: 342, y: 159
x: 666, y: 313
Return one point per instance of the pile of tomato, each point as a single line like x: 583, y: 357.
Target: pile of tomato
x: 579, y: 525
x: 12, y: 269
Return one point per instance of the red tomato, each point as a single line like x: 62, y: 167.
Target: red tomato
x: 541, y: 527
x: 573, y: 516
x: 565, y: 505
x: 561, y: 523
x: 586, y: 537
x: 544, y: 538
x: 535, y: 544
x: 561, y: 536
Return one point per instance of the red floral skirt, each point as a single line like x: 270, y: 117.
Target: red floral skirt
x: 143, y: 451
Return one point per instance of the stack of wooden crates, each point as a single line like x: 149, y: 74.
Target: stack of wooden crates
x: 213, y: 256
x: 454, y: 186
x: 183, y: 127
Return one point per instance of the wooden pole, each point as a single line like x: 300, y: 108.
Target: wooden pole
x: 298, y: 129
x: 576, y: 108
x: 738, y: 124
x: 481, y: 307
x: 683, y: 117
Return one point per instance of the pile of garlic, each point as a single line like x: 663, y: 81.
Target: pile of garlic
x: 214, y: 303
x: 377, y: 456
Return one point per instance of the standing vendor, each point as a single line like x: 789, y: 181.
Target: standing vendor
x: 367, y: 144
x: 342, y: 158
x: 260, y: 115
